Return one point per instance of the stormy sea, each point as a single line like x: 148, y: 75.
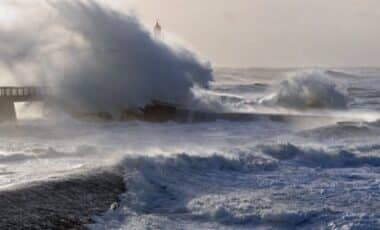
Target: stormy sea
x: 316, y: 166
x: 258, y: 149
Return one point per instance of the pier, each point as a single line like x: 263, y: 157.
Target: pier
x: 156, y: 111
x: 10, y: 95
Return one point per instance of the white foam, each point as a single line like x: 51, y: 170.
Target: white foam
x: 307, y: 89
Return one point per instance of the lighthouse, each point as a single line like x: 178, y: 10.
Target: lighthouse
x: 157, y: 30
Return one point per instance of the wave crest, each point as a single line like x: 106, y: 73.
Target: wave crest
x: 248, y: 208
x: 310, y: 157
x: 307, y: 89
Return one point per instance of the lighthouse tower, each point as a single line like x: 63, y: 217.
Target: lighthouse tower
x: 157, y: 30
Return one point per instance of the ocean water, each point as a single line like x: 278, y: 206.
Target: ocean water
x: 316, y: 166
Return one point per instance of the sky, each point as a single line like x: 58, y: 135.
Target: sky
x: 271, y: 33
x: 265, y: 33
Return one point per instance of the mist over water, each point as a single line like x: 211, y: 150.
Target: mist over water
x: 316, y: 169
x: 264, y: 173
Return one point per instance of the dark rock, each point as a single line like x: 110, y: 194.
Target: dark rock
x: 65, y: 203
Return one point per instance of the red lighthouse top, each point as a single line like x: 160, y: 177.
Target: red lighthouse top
x: 157, y: 29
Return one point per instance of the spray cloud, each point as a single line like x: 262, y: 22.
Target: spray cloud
x: 95, y: 58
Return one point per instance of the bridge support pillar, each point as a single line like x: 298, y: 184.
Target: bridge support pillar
x: 7, y: 110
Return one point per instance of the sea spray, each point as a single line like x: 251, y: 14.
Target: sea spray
x: 307, y: 89
x: 98, y: 59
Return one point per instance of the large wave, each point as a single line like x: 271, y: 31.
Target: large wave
x: 153, y: 187
x: 310, y: 157
x: 96, y: 58
x: 307, y: 89
x: 219, y: 192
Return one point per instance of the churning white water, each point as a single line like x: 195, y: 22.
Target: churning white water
x: 221, y: 175
x: 315, y: 165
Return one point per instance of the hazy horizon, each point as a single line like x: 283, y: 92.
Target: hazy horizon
x: 262, y: 33
x: 270, y: 33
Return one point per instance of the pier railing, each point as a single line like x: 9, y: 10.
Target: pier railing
x: 23, y: 92
x: 10, y: 95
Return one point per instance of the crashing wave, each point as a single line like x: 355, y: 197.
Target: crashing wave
x: 310, y: 157
x: 248, y: 208
x: 96, y: 59
x: 341, y: 130
x: 162, y: 185
x: 307, y: 89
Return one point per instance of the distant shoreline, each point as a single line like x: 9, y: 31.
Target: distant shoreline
x: 67, y: 203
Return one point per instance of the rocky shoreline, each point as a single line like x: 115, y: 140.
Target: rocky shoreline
x: 66, y: 203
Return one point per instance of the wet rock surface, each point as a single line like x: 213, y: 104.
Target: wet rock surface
x: 67, y: 203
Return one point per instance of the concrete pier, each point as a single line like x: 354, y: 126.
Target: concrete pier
x: 10, y: 95
x: 7, y: 110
